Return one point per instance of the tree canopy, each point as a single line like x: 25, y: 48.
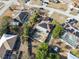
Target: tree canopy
x: 57, y: 30
x: 43, y: 53
x: 28, y: 25
x: 25, y: 33
x: 4, y: 24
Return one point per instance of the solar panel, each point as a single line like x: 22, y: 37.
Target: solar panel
x: 23, y: 16
x: 44, y: 25
x: 50, y: 19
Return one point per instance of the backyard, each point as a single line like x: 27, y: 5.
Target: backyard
x: 59, y: 17
x: 60, y: 6
x: 37, y: 2
x: 64, y: 48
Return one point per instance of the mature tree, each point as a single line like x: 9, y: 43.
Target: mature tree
x: 28, y: 25
x: 33, y: 18
x: 57, y: 30
x: 25, y: 33
x: 53, y: 56
x: 4, y: 24
x: 42, y: 51
x: 14, y: 28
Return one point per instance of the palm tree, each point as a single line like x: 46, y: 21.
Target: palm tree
x: 25, y: 32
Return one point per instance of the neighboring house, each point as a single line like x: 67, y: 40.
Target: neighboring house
x: 5, y: 4
x: 63, y: 1
x: 8, y: 44
x: 46, y: 1
x: 55, y: 1
x: 42, y: 30
x: 71, y: 33
x: 22, y: 17
x: 73, y: 54
x: 76, y: 3
x: 71, y: 39
x: 66, y: 1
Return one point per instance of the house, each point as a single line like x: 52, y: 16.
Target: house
x: 74, y: 54
x: 22, y: 17
x: 47, y: 1
x: 71, y: 39
x: 42, y: 30
x: 8, y: 43
x: 71, y: 33
x: 63, y: 1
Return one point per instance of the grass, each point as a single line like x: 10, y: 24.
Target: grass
x: 59, y: 17
x: 75, y: 52
x: 60, y: 6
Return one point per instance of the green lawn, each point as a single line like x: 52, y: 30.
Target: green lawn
x: 75, y: 52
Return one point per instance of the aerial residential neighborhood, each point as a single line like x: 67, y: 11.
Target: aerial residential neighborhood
x: 39, y: 29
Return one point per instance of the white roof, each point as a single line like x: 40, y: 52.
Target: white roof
x: 46, y: 0
x: 41, y: 29
x: 5, y: 4
x: 6, y: 37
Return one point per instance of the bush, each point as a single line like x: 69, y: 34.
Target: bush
x: 42, y: 53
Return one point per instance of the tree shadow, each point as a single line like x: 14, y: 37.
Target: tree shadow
x: 30, y: 46
x: 68, y: 47
x: 59, y: 43
x: 63, y: 57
